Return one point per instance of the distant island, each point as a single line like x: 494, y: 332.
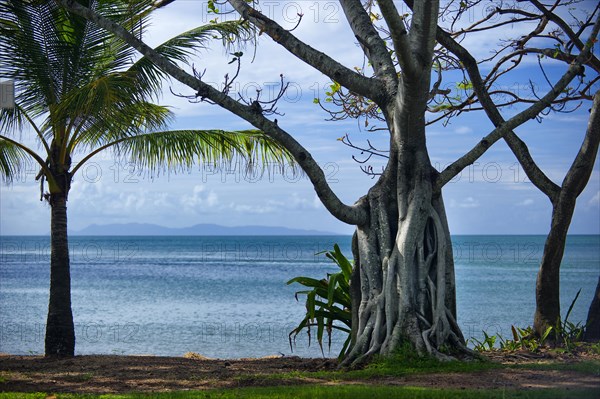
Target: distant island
x: 147, y: 229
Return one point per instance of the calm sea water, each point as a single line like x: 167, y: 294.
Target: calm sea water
x: 226, y: 297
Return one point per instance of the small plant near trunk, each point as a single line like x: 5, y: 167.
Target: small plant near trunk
x: 328, y: 304
x: 565, y: 337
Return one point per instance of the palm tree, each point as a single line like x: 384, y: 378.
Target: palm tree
x: 78, y: 88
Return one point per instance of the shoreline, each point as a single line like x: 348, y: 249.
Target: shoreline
x: 118, y: 374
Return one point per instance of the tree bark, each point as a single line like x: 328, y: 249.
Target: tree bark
x: 406, y: 271
x: 547, y: 312
x: 403, y: 285
x: 547, y: 287
x: 592, y: 329
x: 60, y: 330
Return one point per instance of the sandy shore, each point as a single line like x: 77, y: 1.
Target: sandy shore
x: 118, y: 374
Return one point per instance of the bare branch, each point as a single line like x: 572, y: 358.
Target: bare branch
x: 505, y: 128
x: 560, y: 22
x: 399, y: 36
x: 423, y: 31
x: 373, y: 45
x: 355, y: 214
x: 581, y: 169
x: 371, y: 88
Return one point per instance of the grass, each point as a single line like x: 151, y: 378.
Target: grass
x: 331, y: 392
x: 403, y: 363
x: 364, y: 383
x: 4, y: 377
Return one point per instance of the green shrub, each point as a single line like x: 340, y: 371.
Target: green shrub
x: 566, y: 335
x: 328, y: 304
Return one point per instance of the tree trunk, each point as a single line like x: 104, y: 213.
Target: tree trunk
x: 547, y: 288
x: 60, y: 330
x: 403, y: 289
x: 592, y: 329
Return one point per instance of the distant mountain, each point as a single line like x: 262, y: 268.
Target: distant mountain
x: 146, y: 229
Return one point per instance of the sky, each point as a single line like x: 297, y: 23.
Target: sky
x: 493, y: 196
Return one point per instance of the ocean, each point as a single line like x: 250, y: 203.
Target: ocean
x: 226, y: 297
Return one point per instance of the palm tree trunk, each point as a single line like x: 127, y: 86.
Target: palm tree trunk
x: 60, y: 330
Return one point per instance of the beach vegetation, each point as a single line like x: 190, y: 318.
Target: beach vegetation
x: 328, y: 304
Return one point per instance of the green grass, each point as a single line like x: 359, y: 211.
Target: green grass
x: 333, y: 392
x: 406, y: 362
x: 402, y: 363
x: 4, y: 377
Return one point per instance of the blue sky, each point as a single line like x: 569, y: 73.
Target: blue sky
x: 491, y: 197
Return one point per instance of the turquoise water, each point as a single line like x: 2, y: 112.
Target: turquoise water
x: 226, y: 297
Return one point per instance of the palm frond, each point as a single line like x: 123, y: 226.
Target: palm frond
x: 12, y: 120
x: 100, y: 96
x: 328, y: 303
x: 109, y: 53
x: 115, y: 123
x: 81, y: 81
x: 13, y: 161
x: 27, y: 50
x: 181, y: 149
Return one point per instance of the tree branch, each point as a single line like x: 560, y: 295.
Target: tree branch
x: 399, y: 36
x: 373, y: 45
x: 371, y: 88
x: 423, y: 31
x: 505, y: 129
x: 355, y: 214
x: 581, y: 169
x: 518, y: 147
x: 560, y: 22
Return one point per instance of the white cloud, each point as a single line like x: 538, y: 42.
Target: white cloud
x: 200, y: 199
x: 595, y: 200
x: 294, y: 202
x: 254, y: 209
x: 526, y: 202
x: 463, y: 130
x: 298, y: 203
x: 469, y: 202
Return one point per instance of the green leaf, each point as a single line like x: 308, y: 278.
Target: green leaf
x: 13, y: 161
x: 335, y: 87
x: 465, y: 85
x: 571, y: 306
x: 332, y: 297
x: 212, y: 8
